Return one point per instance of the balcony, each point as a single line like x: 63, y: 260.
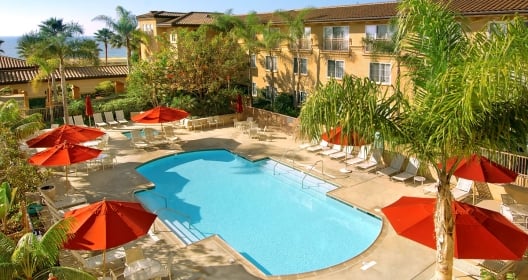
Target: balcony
x: 302, y: 45
x: 340, y: 45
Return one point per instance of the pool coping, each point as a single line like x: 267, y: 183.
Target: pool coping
x: 253, y: 269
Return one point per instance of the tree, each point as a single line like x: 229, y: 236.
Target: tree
x: 1, y: 42
x: 57, y: 40
x: 7, y: 199
x: 271, y: 42
x: 104, y: 36
x: 246, y: 30
x: 296, y: 28
x: 466, y: 94
x: 123, y: 26
x: 35, y: 257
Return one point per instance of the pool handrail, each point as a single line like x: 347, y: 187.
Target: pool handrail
x: 310, y: 170
x: 282, y: 159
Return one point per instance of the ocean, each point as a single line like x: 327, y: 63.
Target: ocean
x: 10, y: 48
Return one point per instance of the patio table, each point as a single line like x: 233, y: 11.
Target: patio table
x: 143, y: 269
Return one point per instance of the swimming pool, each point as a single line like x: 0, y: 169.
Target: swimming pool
x: 280, y: 221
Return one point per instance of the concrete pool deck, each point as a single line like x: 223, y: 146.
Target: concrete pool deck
x: 390, y: 257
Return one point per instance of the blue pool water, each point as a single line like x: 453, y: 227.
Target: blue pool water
x: 281, y: 225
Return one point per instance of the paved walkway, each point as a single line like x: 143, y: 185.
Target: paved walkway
x: 392, y: 256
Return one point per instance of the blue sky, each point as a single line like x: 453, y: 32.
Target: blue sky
x: 18, y: 17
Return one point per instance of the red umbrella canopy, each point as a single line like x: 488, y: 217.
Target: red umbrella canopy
x: 88, y: 106
x: 70, y: 133
x: 64, y: 154
x: 239, y: 106
x: 337, y: 137
x: 481, y: 169
x: 107, y: 224
x: 160, y: 114
x: 479, y: 233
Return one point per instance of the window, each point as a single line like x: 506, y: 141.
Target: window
x: 254, y: 89
x: 336, y: 69
x: 305, y: 42
x: 303, y: 65
x: 271, y: 63
x: 380, y: 72
x: 270, y: 92
x: 379, y: 32
x: 253, y: 61
x: 302, y: 97
x: 335, y: 38
x: 147, y: 28
x: 173, y: 38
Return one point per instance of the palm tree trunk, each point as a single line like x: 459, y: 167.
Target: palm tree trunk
x: 250, y: 81
x: 63, y: 89
x: 106, y: 53
x: 444, y: 228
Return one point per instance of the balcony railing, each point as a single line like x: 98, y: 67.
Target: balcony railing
x: 303, y: 44
x: 340, y: 44
x: 514, y: 162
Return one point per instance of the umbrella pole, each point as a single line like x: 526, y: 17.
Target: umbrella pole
x: 104, y: 262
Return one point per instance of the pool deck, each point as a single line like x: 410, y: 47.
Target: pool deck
x: 392, y: 256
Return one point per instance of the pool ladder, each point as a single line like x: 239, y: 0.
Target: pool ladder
x: 282, y: 159
x: 310, y: 170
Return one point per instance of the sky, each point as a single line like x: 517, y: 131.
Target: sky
x: 18, y: 17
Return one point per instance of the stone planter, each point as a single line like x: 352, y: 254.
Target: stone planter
x: 49, y: 191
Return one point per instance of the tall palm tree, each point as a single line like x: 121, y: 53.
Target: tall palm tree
x: 246, y: 30
x: 295, y: 22
x: 58, y: 40
x: 104, y: 36
x: 271, y: 38
x: 123, y: 26
x: 34, y: 258
x: 1, y: 42
x: 467, y: 94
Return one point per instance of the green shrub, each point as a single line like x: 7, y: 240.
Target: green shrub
x: 105, y: 88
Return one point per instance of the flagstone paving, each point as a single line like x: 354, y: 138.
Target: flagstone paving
x: 394, y: 257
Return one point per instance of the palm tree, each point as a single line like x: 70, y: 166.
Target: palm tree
x: 246, y: 30
x: 123, y: 27
x: 1, y: 42
x: 104, y: 36
x: 270, y: 42
x: 57, y: 40
x: 12, y: 118
x: 35, y: 257
x: 295, y: 23
x: 467, y: 94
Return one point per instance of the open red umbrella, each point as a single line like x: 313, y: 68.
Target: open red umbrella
x: 481, y: 169
x: 107, y: 224
x: 64, y: 154
x: 479, y: 233
x: 70, y: 133
x: 88, y: 108
x: 160, y: 114
x: 336, y: 136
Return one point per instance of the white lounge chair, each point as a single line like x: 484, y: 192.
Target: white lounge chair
x: 137, y: 140
x: 347, y: 151
x: 410, y: 170
x: 152, y: 138
x: 462, y: 188
x: 361, y: 156
x: 120, y: 117
x: 395, y: 166
x: 335, y: 149
x: 109, y: 117
x: 168, y: 133
x: 78, y: 120
x: 98, y: 120
x: 323, y: 145
x: 368, y: 164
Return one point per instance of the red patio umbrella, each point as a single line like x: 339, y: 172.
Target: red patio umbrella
x: 70, y: 133
x: 64, y: 154
x: 336, y: 136
x: 88, y: 108
x: 160, y: 114
x: 107, y: 224
x: 481, y: 169
x: 479, y: 233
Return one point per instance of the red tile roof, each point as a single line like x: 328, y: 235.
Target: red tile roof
x: 26, y: 74
x: 164, y: 18
x: 7, y: 62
